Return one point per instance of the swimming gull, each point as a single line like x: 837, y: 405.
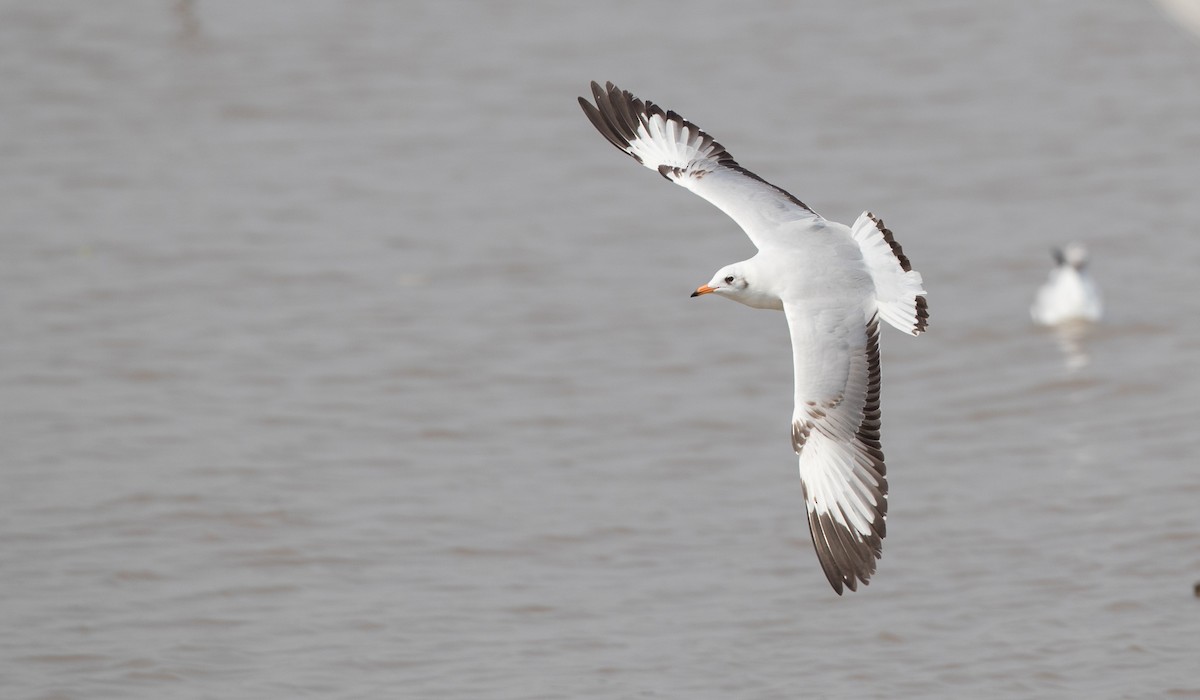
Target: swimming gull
x: 1069, y: 294
x: 833, y: 282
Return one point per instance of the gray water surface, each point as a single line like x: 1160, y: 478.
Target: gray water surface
x: 343, y: 359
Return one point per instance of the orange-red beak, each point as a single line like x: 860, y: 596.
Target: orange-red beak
x: 703, y: 290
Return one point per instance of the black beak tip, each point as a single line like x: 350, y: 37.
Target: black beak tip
x: 695, y: 294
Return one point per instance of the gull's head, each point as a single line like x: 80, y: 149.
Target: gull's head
x: 728, y: 282
x: 1074, y: 254
x: 736, y: 282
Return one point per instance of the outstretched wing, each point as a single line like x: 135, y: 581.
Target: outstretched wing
x: 835, y: 432
x: 682, y: 153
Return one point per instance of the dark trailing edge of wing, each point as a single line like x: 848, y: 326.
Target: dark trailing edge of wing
x: 847, y: 557
x: 617, y: 114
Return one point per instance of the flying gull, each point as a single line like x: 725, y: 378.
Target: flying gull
x: 833, y: 283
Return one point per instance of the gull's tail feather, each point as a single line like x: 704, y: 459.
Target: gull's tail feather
x: 899, y: 290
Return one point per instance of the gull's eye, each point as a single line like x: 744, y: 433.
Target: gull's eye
x: 729, y: 279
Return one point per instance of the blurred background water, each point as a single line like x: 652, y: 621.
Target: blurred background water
x: 343, y: 359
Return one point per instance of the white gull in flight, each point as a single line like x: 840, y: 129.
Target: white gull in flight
x: 834, y: 283
x: 1069, y: 294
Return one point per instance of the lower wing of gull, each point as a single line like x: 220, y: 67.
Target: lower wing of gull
x: 835, y: 432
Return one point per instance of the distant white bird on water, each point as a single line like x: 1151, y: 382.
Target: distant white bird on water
x: 1070, y: 294
x: 833, y: 283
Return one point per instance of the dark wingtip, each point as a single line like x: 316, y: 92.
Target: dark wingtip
x: 603, y: 117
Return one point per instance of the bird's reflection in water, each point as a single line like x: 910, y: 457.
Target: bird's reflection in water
x: 1071, y: 337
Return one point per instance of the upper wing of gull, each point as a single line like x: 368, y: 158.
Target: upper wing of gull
x: 682, y: 153
x: 835, y: 432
